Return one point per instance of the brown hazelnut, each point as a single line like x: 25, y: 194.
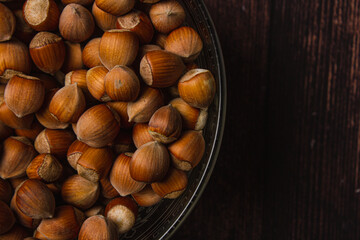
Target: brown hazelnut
x: 98, y: 227
x: 24, y: 95
x: 165, y: 124
x: 98, y: 126
x: 120, y: 176
x: 121, y: 109
x: 118, y: 47
x: 167, y: 15
x: 150, y: 162
x: 76, y: 23
x: 95, y: 81
x: 31, y: 133
x: 107, y: 190
x: 41, y: 15
x: 161, y: 68
x: 23, y: 219
x: 90, y: 53
x: 75, y: 151
x: 187, y: 152
x: 54, y: 142
x: 80, y: 192
x: 197, y: 88
x: 104, y: 20
x: 11, y: 120
x: 45, y: 117
x: 68, y: 104
x: 16, y: 155
x: 73, y: 57
x: 95, y: 163
x: 122, y: 84
x: 184, y: 42
x: 44, y: 167
x: 34, y: 199
x: 48, y: 51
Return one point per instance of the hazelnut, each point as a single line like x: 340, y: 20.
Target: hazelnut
x: 24, y: 95
x: 80, y: 192
x: 193, y: 118
x: 48, y: 51
x: 98, y: 227
x: 73, y: 59
x: 141, y: 135
x: 104, y: 20
x: 173, y: 185
x: 120, y: 176
x: 41, y: 15
x: 187, y: 152
x: 107, y: 190
x: 95, y: 81
x: 75, y: 151
x: 8, y: 23
x: 14, y: 58
x: 115, y: 7
x: 90, y: 53
x: 16, y: 155
x: 137, y: 22
x: 161, y: 69
x: 150, y: 162
x: 31, y: 133
x: 98, y: 126
x: 68, y: 104
x: 76, y: 23
x: 44, y: 167
x: 11, y: 120
x: 149, y: 100
x: 123, y: 212
x: 34, y: 199
x: 197, y: 88
x: 167, y: 15
x: 6, y: 191
x: 95, y: 163
x: 15, y: 182
x: 45, y: 117
x: 122, y: 84
x: 165, y: 124
x: 184, y: 42
x: 7, y: 218
x: 79, y: 77
x: 65, y: 224
x: 118, y: 47
x: 54, y: 142
x: 146, y: 197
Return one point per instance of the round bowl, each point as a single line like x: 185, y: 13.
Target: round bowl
x: 163, y: 219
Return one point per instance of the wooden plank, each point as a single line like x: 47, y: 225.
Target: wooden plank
x: 313, y: 121
x: 231, y: 206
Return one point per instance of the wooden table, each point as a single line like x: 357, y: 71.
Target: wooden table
x: 289, y: 163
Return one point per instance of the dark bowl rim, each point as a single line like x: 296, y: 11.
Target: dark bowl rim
x: 219, y: 129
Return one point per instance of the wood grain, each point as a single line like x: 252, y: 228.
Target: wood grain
x: 289, y: 164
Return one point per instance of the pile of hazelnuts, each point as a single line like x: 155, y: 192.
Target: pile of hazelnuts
x: 102, y: 107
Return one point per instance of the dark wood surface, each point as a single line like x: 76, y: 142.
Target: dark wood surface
x: 289, y: 162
